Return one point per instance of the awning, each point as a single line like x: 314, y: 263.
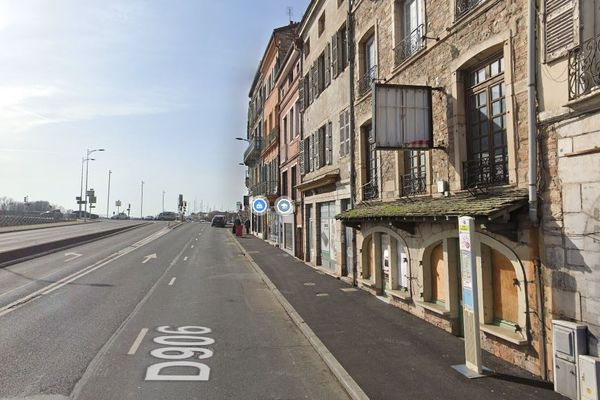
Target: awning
x: 491, y: 205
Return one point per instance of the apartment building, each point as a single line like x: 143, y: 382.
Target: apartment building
x: 569, y: 117
x: 459, y: 69
x: 262, y: 154
x: 290, y: 124
x: 325, y: 158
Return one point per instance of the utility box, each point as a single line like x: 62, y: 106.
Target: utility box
x: 589, y: 377
x: 570, y: 341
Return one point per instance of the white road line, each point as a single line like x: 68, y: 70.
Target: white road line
x: 185, y: 258
x: 137, y: 341
x: 172, y: 280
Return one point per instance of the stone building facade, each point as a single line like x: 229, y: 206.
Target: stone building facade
x: 569, y: 117
x: 325, y: 159
x: 473, y: 57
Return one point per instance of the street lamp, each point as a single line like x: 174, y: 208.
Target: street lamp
x: 142, y: 202
x: 108, y: 195
x: 241, y: 138
x: 87, y: 159
x: 163, y: 201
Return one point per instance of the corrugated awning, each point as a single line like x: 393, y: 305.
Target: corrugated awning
x: 491, y: 205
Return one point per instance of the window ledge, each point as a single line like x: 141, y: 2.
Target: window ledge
x: 587, y: 102
x: 399, y: 294
x: 435, y: 308
x: 505, y: 334
x: 367, y: 283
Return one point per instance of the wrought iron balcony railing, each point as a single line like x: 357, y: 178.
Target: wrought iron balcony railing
x: 365, y: 82
x: 253, y: 151
x: 370, y: 190
x: 584, y: 68
x: 410, y: 45
x: 271, y: 137
x: 265, y: 188
x: 464, y: 6
x: 413, y: 184
x: 485, y: 172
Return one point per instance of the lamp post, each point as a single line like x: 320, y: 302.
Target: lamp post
x: 87, y: 163
x: 241, y: 138
x: 142, y: 202
x: 163, y: 210
x: 108, y: 195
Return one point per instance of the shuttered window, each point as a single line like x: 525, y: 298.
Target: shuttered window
x: 334, y: 56
x: 561, y: 27
x: 329, y: 144
x: 300, y: 102
x: 302, y: 145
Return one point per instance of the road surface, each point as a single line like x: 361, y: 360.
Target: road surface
x: 151, y: 313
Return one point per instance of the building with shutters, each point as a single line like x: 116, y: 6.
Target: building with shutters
x: 325, y: 158
x: 569, y: 121
x: 463, y: 64
x: 290, y: 123
x: 262, y: 154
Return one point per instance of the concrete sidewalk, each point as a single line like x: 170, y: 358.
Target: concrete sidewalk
x: 388, y: 352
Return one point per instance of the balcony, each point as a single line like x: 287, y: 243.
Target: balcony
x: 271, y: 137
x: 266, y: 188
x: 485, y: 172
x: 365, y: 82
x: 464, y: 6
x: 413, y: 184
x: 253, y: 151
x: 584, y: 68
x: 370, y: 190
x: 410, y: 45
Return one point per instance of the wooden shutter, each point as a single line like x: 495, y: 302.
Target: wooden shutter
x: 300, y: 102
x: 561, y: 27
x: 315, y: 72
x: 311, y: 94
x: 327, y: 64
x: 322, y: 144
x: 307, y: 155
x: 347, y: 132
x: 316, y: 152
x: 311, y: 147
x: 342, y: 133
x: 329, y: 144
x: 334, y: 58
x: 302, y: 144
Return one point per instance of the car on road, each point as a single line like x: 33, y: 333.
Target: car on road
x: 149, y: 218
x: 55, y: 214
x: 167, y: 216
x: 218, y: 221
x: 120, y: 216
x: 82, y: 214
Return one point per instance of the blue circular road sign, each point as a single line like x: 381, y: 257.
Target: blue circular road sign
x: 284, y: 206
x: 259, y: 205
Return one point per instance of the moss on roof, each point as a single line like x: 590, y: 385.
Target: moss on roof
x: 482, y: 205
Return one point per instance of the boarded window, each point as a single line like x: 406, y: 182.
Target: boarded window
x: 438, y: 274
x: 504, y: 289
x: 561, y: 27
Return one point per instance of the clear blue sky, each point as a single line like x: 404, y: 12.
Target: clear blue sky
x: 161, y: 84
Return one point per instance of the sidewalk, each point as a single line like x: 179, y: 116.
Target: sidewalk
x: 388, y: 352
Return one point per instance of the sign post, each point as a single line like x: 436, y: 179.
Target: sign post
x: 472, y: 367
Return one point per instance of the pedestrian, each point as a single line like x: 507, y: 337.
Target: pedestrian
x: 247, y: 224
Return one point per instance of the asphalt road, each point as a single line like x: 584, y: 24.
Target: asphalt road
x: 16, y: 240
x: 151, y: 313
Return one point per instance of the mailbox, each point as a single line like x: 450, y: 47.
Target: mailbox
x: 570, y: 341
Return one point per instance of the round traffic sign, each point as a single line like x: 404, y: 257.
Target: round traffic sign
x: 260, y: 205
x: 284, y: 206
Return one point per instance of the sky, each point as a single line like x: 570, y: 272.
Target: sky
x: 162, y: 85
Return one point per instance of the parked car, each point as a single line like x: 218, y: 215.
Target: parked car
x: 218, y: 221
x: 149, y: 218
x: 120, y: 216
x: 167, y: 216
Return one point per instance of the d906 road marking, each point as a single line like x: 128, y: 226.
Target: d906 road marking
x: 183, y: 342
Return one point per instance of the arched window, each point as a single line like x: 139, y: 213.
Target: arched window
x: 438, y: 275
x: 504, y: 290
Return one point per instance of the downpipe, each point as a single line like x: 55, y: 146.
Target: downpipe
x: 350, y: 53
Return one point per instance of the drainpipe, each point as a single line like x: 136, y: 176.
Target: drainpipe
x: 350, y: 52
x: 534, y: 243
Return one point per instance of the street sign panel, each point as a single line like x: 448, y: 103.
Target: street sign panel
x: 260, y: 205
x: 284, y: 206
x: 118, y: 203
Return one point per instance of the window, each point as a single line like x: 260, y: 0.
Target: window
x: 294, y: 183
x: 329, y: 144
x: 321, y: 73
x: 368, y: 66
x: 463, y: 7
x: 339, y: 52
x: 284, y: 183
x: 306, y: 48
x: 344, y: 133
x: 414, y: 173
x: 561, y: 27
x: 321, y: 24
x: 370, y: 188
x: 486, y: 126
x: 297, y: 117
x: 412, y: 30
x: 291, y: 115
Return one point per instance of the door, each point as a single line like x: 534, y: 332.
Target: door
x: 309, y: 230
x: 349, y: 233
x: 327, y: 230
x: 402, y: 265
x: 385, y: 262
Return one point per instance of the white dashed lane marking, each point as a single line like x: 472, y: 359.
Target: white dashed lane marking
x: 172, y: 281
x: 137, y: 341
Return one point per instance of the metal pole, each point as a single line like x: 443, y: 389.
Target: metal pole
x: 142, y: 202
x: 81, y: 187
x: 108, y: 196
x: 87, y: 164
x: 163, y: 201
x: 351, y: 60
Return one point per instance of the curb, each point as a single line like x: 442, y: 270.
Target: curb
x: 24, y: 228
x: 344, y: 378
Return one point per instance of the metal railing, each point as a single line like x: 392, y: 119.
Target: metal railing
x: 364, y: 84
x: 16, y: 220
x: 254, y: 148
x: 584, y: 68
x: 272, y: 136
x: 370, y: 190
x: 464, y: 6
x: 413, y: 184
x: 485, y: 172
x: 410, y: 45
x: 265, y: 188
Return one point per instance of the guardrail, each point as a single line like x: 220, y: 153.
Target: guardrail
x: 16, y: 220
